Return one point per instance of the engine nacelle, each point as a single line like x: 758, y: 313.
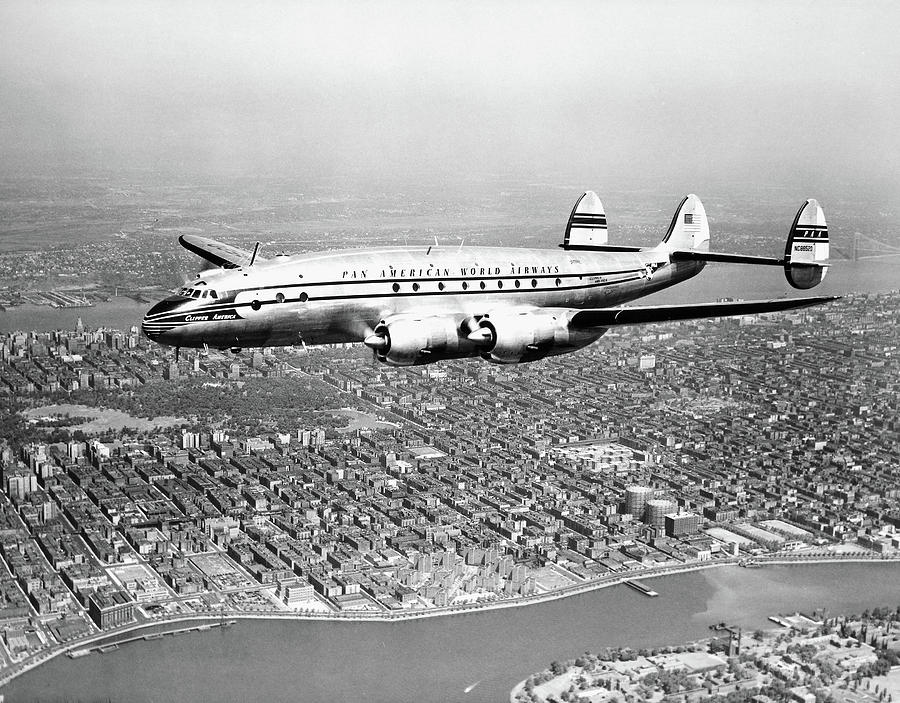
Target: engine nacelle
x: 515, y: 337
x: 411, y: 341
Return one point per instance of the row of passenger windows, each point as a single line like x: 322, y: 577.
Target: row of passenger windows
x: 481, y: 284
x: 303, y: 297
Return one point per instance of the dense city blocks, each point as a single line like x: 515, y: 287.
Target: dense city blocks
x: 310, y: 483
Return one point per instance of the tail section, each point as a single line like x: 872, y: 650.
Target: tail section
x: 587, y: 223
x: 806, y: 251
x: 689, y: 230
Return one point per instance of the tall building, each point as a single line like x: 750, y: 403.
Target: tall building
x: 20, y: 483
x: 636, y: 498
x: 682, y: 524
x: 110, y: 609
x: 647, y: 361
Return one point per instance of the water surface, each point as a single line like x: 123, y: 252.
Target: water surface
x: 433, y: 660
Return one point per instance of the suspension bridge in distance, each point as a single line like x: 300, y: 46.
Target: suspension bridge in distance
x: 864, y: 247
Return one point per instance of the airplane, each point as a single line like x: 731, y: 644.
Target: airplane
x: 422, y: 304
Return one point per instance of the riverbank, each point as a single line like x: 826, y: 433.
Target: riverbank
x: 709, y: 666
x: 433, y: 660
x: 111, y: 637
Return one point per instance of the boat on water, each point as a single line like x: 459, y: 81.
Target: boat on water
x: 468, y: 689
x: 108, y: 648
x: 76, y: 653
x: 154, y: 636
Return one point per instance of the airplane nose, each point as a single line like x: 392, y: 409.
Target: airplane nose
x: 154, y: 325
x: 148, y: 330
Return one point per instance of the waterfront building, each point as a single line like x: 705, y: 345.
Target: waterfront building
x: 295, y: 591
x: 110, y: 609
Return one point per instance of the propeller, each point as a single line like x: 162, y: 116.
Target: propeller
x: 474, y: 332
x: 373, y: 341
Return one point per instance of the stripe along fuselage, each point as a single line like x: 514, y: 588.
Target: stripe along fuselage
x: 342, y: 296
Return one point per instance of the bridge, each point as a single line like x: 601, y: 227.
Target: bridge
x: 865, y: 247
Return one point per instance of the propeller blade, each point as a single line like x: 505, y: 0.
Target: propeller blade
x: 482, y: 335
x: 375, y: 342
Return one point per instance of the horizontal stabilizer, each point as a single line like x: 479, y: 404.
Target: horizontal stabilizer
x: 613, y: 317
x: 219, y: 254
x: 718, y: 258
x: 607, y: 247
x: 586, y: 228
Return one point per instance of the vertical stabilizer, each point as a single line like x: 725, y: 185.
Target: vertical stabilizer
x: 689, y: 230
x: 587, y: 223
x: 806, y: 252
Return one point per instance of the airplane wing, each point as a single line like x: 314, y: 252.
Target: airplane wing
x: 644, y: 314
x: 217, y: 253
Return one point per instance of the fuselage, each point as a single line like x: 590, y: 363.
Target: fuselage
x: 341, y: 296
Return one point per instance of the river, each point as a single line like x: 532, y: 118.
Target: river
x: 433, y: 660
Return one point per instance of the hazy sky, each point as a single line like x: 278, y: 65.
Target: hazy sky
x: 790, y: 88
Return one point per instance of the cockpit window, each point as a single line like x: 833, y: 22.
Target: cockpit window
x: 195, y: 293
x: 205, y: 293
x: 212, y: 294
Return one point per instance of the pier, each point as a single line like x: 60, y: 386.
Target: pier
x: 112, y: 646
x: 641, y: 587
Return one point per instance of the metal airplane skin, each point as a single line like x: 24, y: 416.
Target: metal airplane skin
x: 416, y: 305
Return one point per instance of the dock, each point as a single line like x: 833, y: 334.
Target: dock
x: 641, y: 587
x: 112, y: 646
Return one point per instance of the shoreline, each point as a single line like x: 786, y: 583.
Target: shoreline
x: 100, y: 639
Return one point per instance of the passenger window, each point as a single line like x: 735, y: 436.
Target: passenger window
x: 279, y: 297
